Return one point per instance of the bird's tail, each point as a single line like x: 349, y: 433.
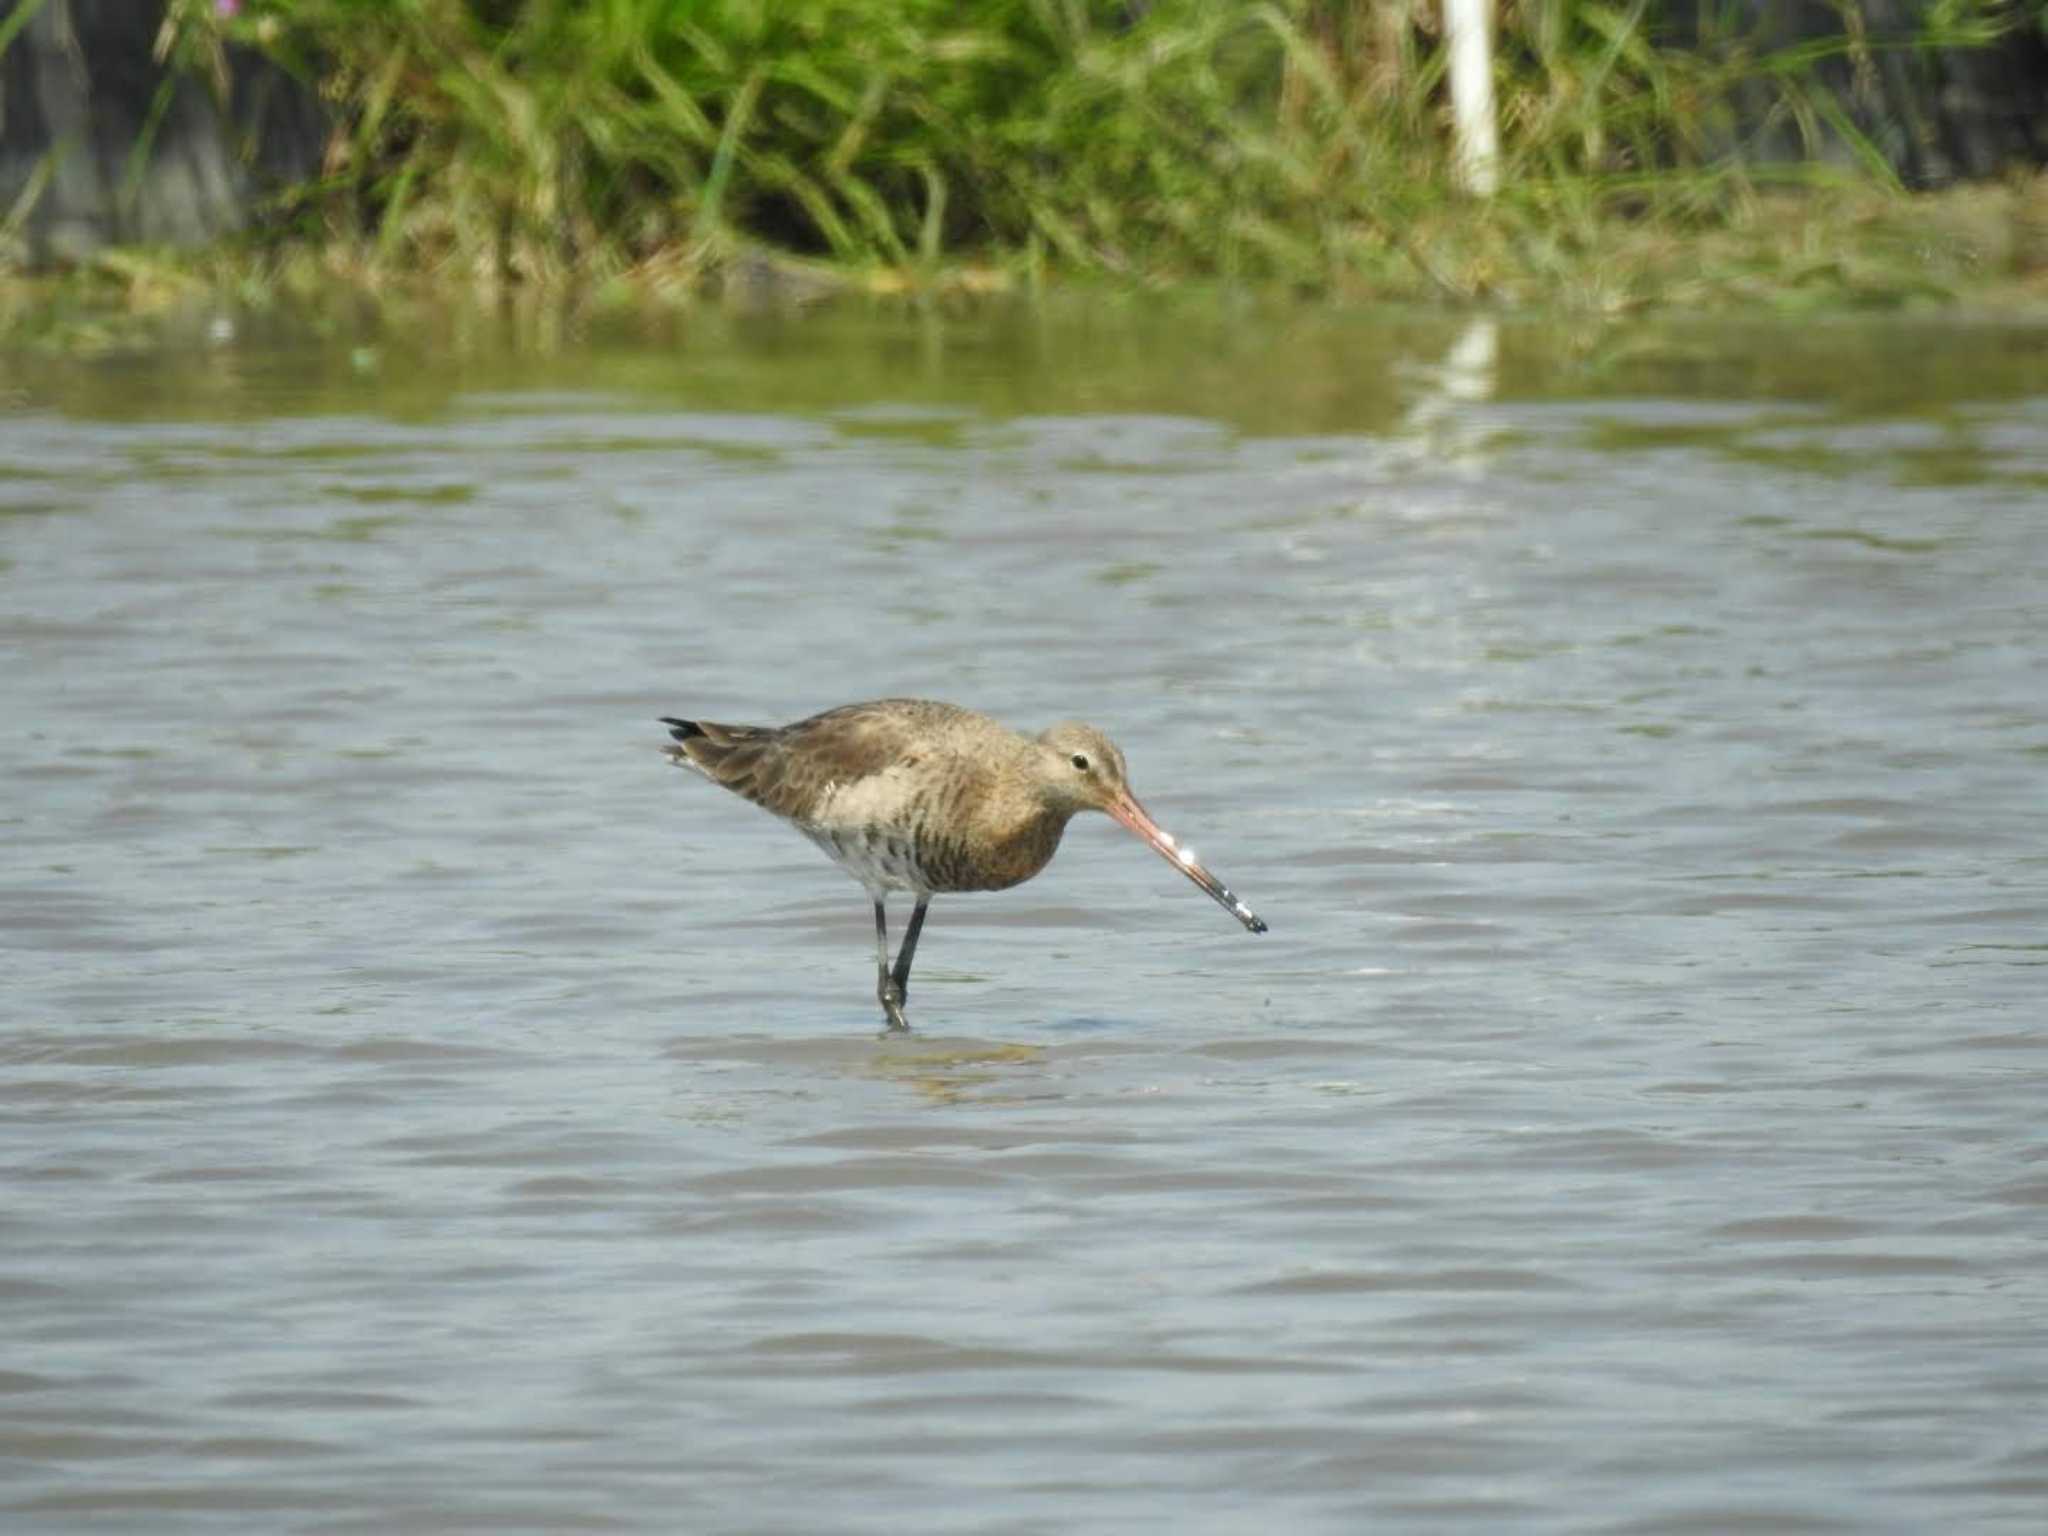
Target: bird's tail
x: 725, y: 754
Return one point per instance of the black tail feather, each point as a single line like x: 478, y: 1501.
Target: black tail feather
x: 732, y: 755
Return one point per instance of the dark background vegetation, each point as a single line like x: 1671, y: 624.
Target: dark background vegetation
x: 1298, y: 142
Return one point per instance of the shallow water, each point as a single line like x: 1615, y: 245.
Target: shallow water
x: 423, y: 1109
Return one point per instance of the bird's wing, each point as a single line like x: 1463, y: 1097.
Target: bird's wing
x: 790, y: 769
x: 841, y: 747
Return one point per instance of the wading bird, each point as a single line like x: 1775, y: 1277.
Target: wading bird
x: 921, y: 797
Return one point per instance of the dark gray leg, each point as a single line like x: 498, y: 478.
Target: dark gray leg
x: 901, y: 975
x: 888, y: 991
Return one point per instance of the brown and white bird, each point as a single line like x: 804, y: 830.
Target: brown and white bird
x: 916, y: 796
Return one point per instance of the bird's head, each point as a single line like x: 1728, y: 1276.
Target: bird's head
x: 1080, y: 769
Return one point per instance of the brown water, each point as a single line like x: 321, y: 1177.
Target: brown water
x: 422, y: 1109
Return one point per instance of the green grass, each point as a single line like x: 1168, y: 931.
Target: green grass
x: 649, y: 147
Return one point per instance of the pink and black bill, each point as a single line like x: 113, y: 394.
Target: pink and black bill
x: 1133, y: 815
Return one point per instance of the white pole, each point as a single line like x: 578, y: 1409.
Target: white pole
x: 1468, y: 25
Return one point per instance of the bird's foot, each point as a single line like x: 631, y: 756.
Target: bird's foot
x: 891, y: 996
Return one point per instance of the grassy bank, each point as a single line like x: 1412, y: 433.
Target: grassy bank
x: 649, y: 149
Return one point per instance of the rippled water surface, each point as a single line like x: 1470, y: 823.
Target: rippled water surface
x: 423, y: 1109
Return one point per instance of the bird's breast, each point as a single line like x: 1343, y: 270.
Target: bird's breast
x: 898, y: 830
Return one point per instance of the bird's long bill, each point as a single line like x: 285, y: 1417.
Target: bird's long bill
x: 1133, y: 815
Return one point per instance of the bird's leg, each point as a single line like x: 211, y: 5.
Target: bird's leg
x: 887, y: 990
x: 901, y: 975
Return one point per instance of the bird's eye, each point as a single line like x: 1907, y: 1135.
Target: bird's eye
x: 1081, y: 761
